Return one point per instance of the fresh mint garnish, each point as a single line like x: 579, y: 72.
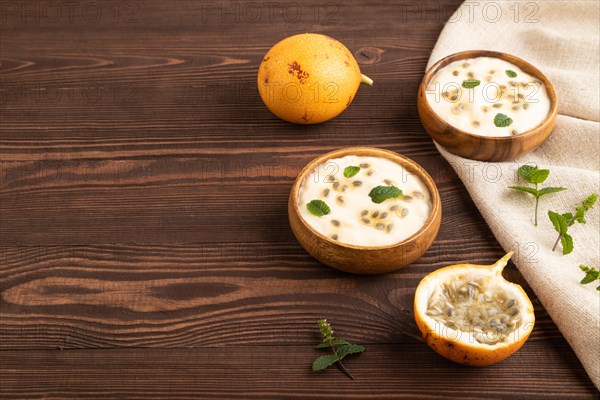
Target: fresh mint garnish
x: 502, y: 120
x: 318, y: 208
x: 380, y: 194
x: 350, y: 171
x: 471, y: 83
x: 511, y: 73
x: 591, y: 275
x: 340, y: 348
x: 562, y: 222
x: 531, y: 174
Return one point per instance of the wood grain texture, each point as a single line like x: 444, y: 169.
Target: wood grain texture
x: 282, y: 372
x: 145, y: 250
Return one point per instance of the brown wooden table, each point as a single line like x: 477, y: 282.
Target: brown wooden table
x: 145, y: 246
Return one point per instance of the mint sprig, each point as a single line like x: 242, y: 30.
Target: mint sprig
x: 591, y: 275
x: 562, y: 222
x: 379, y: 194
x: 531, y: 174
x: 471, y: 83
x: 318, y: 208
x: 350, y: 171
x: 510, y: 73
x: 502, y: 120
x: 340, y: 348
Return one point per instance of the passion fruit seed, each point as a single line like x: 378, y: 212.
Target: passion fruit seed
x: 364, y: 165
x: 325, y: 192
x: 383, y: 215
x: 457, y: 108
x: 364, y: 212
x: 335, y: 222
x: 357, y: 183
x: 375, y: 214
x: 380, y: 226
x: 365, y: 221
x: 340, y: 200
x: 334, y: 237
x: 468, y: 305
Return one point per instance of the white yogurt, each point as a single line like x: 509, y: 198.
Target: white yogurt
x: 354, y: 218
x: 522, y: 98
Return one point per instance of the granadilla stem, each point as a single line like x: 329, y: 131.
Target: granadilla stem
x: 366, y: 80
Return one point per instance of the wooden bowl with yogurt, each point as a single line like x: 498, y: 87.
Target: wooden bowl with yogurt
x: 486, y: 105
x: 364, y: 210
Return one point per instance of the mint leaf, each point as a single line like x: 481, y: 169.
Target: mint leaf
x: 559, y: 222
x: 589, y: 202
x: 471, y: 83
x: 539, y: 175
x: 335, y: 342
x: 591, y: 274
x: 548, y: 190
x: 318, y: 208
x: 567, y: 243
x: 349, y: 349
x: 586, y: 205
x: 502, y: 120
x: 511, y: 73
x: 526, y: 189
x: 531, y: 173
x: 350, y: 171
x: 526, y: 171
x: 380, y: 194
x: 323, y: 362
x: 579, y: 215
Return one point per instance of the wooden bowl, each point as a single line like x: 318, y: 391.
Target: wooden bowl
x: 365, y: 259
x: 485, y: 148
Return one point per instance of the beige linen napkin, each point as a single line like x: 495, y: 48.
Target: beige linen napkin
x: 561, y: 38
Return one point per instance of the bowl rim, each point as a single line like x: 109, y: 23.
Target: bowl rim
x: 519, y: 62
x: 406, y: 162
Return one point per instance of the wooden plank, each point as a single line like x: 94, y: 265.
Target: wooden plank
x: 238, y: 197
x: 214, y: 294
x: 143, y: 227
x: 283, y: 372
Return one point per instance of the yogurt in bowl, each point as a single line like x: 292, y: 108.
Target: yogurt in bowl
x: 488, y: 96
x: 487, y: 105
x: 364, y: 210
x: 369, y: 201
